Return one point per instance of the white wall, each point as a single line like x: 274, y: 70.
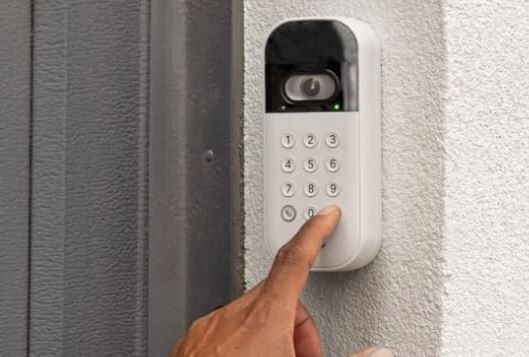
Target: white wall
x: 452, y: 276
x: 486, y: 306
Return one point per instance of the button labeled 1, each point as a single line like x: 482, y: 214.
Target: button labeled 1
x: 288, y: 141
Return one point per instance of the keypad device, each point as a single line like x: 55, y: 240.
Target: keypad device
x: 313, y: 170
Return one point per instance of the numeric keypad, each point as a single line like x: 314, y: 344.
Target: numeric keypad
x: 315, y: 185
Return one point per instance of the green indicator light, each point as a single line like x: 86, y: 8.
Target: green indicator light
x: 336, y: 106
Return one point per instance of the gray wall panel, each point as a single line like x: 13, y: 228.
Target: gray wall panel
x: 89, y: 213
x: 196, y: 214
x: 15, y: 70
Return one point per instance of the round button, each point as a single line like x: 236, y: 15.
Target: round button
x: 310, y: 212
x: 332, y: 140
x: 288, y: 141
x: 332, y: 165
x: 288, y: 213
x: 333, y: 189
x: 310, y: 165
x: 288, y: 189
x: 310, y: 140
x: 288, y: 165
x: 310, y: 189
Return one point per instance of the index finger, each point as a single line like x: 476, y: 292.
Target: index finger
x: 293, y: 261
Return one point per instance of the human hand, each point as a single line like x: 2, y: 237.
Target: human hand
x: 270, y: 320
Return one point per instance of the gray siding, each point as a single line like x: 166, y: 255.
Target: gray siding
x: 117, y: 225
x: 88, y: 272
x: 15, y: 106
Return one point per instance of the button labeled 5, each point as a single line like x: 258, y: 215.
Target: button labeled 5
x: 310, y: 165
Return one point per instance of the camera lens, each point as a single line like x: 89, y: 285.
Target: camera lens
x: 310, y: 87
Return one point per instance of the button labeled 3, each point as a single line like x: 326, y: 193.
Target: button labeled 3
x: 332, y: 140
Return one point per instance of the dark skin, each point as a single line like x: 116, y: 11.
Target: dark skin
x: 270, y: 320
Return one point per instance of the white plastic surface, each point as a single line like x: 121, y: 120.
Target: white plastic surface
x: 354, y: 183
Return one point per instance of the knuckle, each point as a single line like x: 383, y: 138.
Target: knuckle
x: 290, y: 255
x: 198, y: 324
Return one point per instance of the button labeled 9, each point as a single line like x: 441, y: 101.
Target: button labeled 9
x: 333, y: 189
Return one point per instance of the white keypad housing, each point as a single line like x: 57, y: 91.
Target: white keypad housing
x: 315, y: 158
x: 296, y: 188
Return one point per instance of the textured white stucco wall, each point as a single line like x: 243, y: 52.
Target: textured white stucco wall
x: 452, y: 276
x: 486, y: 307
x: 395, y: 302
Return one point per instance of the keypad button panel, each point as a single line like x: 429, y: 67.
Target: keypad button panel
x: 311, y: 174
